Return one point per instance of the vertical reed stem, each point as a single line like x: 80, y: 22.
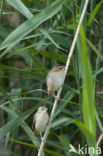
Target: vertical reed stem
x: 65, y: 72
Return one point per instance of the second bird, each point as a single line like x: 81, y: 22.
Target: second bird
x: 55, y: 79
x: 40, y: 120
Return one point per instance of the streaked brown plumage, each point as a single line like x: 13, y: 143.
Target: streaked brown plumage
x: 55, y: 79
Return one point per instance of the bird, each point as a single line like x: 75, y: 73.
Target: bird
x: 54, y: 79
x: 40, y: 120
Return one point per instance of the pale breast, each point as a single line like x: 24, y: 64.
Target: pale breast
x: 41, y: 122
x: 55, y: 80
x: 58, y: 80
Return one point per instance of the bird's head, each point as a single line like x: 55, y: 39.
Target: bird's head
x: 42, y: 109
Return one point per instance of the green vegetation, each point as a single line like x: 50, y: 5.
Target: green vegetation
x: 36, y: 35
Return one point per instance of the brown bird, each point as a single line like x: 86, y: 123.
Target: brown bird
x: 40, y: 120
x: 55, y: 79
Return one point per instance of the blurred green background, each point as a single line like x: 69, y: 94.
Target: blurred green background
x: 36, y: 35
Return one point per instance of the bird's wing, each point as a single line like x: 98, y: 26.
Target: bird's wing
x: 34, y: 120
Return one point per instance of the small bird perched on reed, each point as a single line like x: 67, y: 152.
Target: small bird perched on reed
x: 40, y: 120
x: 55, y: 79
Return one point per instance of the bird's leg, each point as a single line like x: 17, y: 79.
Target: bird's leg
x: 54, y: 93
x: 61, y: 86
x: 55, y: 97
x: 41, y: 136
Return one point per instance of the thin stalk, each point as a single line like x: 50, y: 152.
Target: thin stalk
x: 99, y: 140
x: 65, y: 73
